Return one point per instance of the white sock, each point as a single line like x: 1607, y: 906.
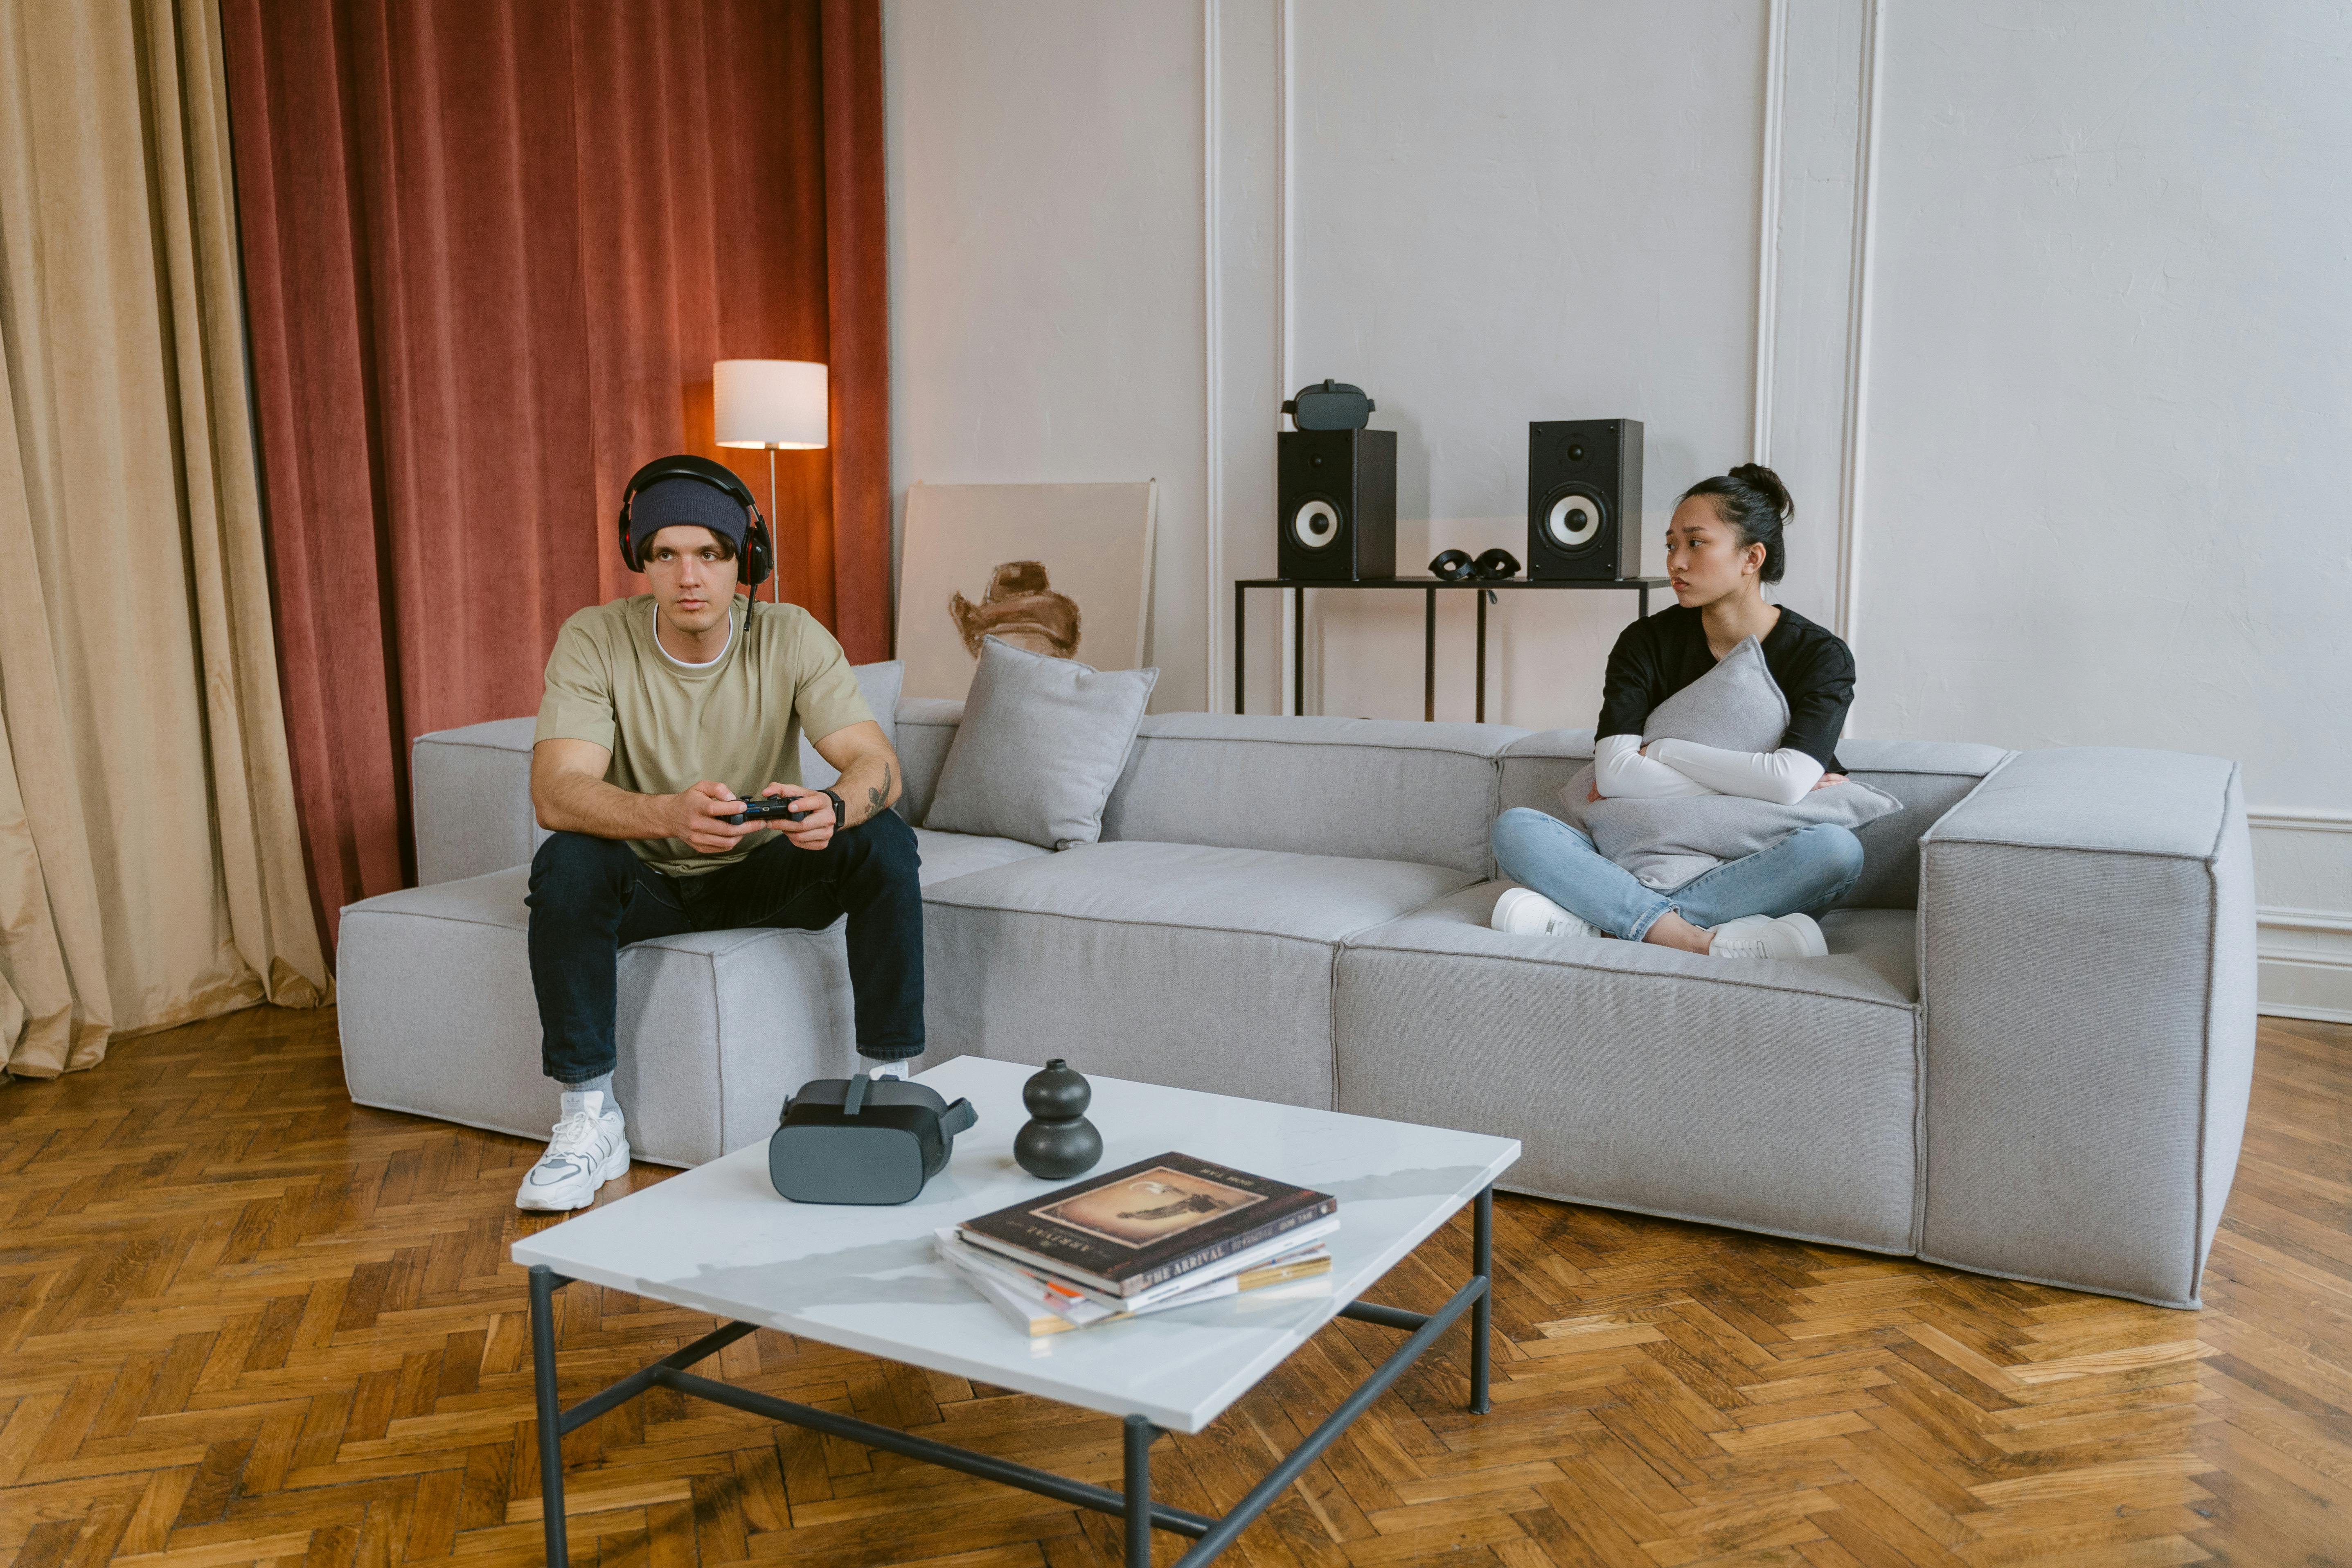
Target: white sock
x: 897, y: 1069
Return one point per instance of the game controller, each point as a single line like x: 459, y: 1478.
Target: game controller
x: 767, y: 808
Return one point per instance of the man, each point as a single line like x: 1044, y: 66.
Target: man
x: 660, y: 709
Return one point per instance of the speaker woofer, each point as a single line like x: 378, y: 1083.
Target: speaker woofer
x: 1572, y: 520
x: 1315, y: 524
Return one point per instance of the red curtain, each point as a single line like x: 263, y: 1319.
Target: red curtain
x: 491, y: 249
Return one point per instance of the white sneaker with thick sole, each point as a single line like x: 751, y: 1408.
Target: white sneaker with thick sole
x: 1522, y: 911
x: 591, y: 1147
x: 1763, y: 936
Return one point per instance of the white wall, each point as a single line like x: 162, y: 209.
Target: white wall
x: 2049, y: 337
x: 1045, y: 265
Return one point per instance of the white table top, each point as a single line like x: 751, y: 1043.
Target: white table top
x: 865, y: 1278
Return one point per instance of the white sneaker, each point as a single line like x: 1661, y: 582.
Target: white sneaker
x: 1522, y: 911
x: 1761, y: 936
x: 879, y: 1070
x: 591, y: 1147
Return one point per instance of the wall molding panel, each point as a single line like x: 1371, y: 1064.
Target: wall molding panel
x: 1214, y: 654
x: 2290, y: 819
x: 1767, y: 229
x: 1856, y: 426
x: 2303, y: 867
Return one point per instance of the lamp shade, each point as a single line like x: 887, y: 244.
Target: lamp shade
x: 770, y: 403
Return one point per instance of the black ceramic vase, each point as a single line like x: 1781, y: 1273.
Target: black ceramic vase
x: 1057, y: 1141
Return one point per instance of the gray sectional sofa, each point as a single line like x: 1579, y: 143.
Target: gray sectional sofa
x: 2027, y: 1053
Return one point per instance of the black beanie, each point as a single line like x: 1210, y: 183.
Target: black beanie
x: 671, y: 501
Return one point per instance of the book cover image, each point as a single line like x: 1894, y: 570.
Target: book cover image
x: 1150, y: 1206
x: 1130, y: 1229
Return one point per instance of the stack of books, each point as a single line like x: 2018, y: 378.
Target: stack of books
x: 1170, y: 1231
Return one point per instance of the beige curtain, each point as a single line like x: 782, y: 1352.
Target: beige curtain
x: 150, y: 870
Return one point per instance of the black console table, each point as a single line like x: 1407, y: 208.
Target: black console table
x: 1430, y: 587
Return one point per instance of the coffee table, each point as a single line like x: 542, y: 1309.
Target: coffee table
x: 720, y: 1240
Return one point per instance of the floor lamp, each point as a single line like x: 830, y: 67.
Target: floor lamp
x: 776, y: 404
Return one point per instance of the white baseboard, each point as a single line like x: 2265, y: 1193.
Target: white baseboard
x: 2304, y: 946
x: 2305, y: 969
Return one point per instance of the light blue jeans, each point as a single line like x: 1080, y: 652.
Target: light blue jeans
x: 1809, y: 870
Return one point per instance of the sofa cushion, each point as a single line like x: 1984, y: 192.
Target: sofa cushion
x: 1375, y: 789
x: 714, y: 1027
x: 1778, y: 1097
x: 926, y: 728
x: 1174, y: 963
x: 472, y: 789
x: 1929, y: 777
x: 878, y: 683
x: 1042, y: 743
x: 1314, y: 897
x: 947, y: 856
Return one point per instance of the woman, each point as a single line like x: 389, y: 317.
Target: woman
x: 1723, y: 545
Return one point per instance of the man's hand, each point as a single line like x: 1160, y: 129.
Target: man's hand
x: 1826, y: 780
x: 1593, y: 795
x: 699, y: 815
x: 813, y: 831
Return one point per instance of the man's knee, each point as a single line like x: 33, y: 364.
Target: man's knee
x: 889, y: 844
x: 572, y: 867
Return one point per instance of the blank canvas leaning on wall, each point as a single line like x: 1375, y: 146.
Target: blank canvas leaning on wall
x: 1058, y: 569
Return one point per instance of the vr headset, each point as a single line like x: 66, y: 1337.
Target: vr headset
x: 863, y: 1140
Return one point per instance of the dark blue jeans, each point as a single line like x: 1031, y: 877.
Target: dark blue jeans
x: 591, y: 897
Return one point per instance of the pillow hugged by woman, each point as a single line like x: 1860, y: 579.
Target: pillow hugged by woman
x: 1723, y: 545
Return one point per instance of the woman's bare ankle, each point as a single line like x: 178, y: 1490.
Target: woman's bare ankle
x: 1670, y: 930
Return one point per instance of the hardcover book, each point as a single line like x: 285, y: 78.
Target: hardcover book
x: 1144, y: 1224
x: 1037, y: 1305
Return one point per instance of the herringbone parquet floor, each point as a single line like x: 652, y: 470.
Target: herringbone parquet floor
x: 242, y: 1321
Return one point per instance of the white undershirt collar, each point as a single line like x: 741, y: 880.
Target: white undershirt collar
x: 687, y: 663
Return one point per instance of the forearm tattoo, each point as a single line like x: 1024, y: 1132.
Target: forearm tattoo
x: 877, y: 796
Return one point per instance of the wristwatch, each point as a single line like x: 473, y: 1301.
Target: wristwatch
x: 840, y: 812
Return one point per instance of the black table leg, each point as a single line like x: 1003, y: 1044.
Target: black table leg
x: 1429, y: 658
x: 1482, y: 595
x: 1298, y: 650
x: 1645, y: 601
x: 1241, y: 624
x: 1482, y: 1312
x: 1139, y: 1433
x: 543, y: 1284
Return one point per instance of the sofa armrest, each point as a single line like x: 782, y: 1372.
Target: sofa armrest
x: 469, y: 790
x: 2086, y: 965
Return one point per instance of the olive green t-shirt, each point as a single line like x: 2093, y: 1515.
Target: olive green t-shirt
x: 737, y: 720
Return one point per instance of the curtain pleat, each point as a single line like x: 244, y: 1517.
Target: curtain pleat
x: 491, y: 252
x: 150, y: 871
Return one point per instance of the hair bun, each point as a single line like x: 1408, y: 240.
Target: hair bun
x: 1764, y: 479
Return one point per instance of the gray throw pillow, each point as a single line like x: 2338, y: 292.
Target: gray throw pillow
x: 1041, y: 744
x: 878, y: 684
x: 1665, y: 843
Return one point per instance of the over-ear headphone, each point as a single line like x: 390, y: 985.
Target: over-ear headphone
x: 1456, y: 566
x: 759, y: 550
